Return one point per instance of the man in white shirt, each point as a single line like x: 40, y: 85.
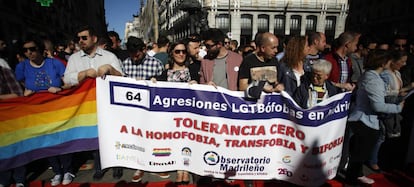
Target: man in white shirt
x: 91, y: 61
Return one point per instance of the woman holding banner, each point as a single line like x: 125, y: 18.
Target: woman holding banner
x: 177, y: 71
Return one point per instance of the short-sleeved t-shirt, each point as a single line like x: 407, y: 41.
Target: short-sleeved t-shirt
x: 41, y: 78
x: 254, y: 69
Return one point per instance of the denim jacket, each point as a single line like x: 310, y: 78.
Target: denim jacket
x: 370, y: 100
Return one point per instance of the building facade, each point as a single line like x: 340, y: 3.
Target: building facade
x: 242, y: 19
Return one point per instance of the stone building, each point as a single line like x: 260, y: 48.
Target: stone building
x: 242, y: 19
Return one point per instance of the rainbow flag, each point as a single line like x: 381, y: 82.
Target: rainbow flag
x: 45, y: 124
x: 161, y: 151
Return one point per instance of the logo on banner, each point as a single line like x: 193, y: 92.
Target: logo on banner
x: 118, y: 146
x: 211, y: 158
x: 186, y: 161
x: 169, y: 163
x: 186, y: 151
x: 286, y: 159
x: 129, y: 158
x: 161, y: 152
x: 285, y: 171
x: 248, y: 164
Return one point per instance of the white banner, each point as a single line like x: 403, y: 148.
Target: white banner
x: 168, y: 126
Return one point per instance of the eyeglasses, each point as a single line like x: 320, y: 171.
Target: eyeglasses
x: 317, y: 76
x: 180, y: 51
x: 208, y: 46
x: 82, y: 38
x: 31, y: 49
x: 226, y: 42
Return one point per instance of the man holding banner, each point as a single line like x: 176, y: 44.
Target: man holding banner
x: 91, y: 62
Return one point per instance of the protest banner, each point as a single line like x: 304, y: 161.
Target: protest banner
x: 215, y: 132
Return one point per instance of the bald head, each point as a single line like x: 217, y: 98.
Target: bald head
x: 267, y: 44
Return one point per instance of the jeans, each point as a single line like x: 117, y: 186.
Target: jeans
x: 18, y: 174
x: 61, y: 164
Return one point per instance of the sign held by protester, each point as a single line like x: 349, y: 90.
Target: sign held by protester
x: 167, y: 126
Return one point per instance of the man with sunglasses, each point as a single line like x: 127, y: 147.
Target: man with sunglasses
x: 227, y: 43
x: 220, y: 66
x: 91, y: 61
x: 39, y: 73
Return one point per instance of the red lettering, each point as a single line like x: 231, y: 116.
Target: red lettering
x: 177, y: 121
x: 123, y: 129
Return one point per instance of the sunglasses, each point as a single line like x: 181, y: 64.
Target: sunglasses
x: 226, y: 42
x: 208, y: 46
x: 31, y: 49
x: 180, y: 51
x: 82, y: 38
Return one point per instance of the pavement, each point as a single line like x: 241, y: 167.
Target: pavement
x: 40, y: 171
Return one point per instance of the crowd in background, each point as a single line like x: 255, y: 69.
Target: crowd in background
x: 379, y: 75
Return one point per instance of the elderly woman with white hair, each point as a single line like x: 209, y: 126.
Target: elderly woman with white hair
x: 315, y: 86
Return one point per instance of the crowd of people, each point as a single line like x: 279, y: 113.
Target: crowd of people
x: 379, y: 77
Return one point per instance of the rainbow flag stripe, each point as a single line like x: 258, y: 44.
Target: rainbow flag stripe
x: 161, y: 151
x: 45, y: 124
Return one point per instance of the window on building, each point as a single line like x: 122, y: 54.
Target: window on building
x: 295, y: 22
x: 279, y: 25
x: 279, y: 22
x: 330, y: 23
x: 310, y: 23
x: 246, y: 28
x: 246, y: 21
x: 222, y: 21
x: 295, y: 25
x: 263, y: 23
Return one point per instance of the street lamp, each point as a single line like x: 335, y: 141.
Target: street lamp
x: 229, y: 16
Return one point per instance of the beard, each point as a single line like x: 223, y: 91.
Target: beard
x: 212, y: 54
